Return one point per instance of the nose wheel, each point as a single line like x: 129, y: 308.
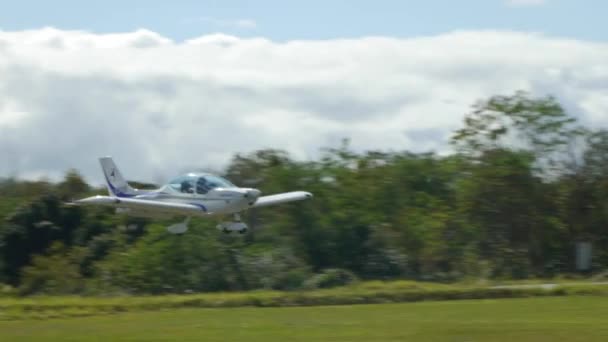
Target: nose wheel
x: 235, y: 226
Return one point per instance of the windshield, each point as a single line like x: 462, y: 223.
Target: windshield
x: 205, y: 183
x: 184, y: 184
x: 199, y: 183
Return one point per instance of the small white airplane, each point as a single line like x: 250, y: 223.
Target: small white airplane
x: 193, y: 194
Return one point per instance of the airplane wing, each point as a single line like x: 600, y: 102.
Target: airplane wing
x: 281, y: 198
x: 146, y: 205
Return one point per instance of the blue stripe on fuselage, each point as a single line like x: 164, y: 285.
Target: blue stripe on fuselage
x: 200, y: 206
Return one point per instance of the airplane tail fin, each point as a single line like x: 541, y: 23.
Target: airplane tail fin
x: 117, y: 185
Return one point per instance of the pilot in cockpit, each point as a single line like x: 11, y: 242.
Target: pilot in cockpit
x: 201, y: 186
x: 186, y: 187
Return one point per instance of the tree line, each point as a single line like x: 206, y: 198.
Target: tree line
x: 525, y: 183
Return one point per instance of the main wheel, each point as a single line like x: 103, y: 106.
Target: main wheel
x: 243, y: 231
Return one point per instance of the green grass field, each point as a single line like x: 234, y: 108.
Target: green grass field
x: 531, y: 319
x: 374, y: 292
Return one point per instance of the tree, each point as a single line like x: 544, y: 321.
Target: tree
x: 539, y: 125
x: 32, y: 228
x: 72, y: 186
x: 54, y: 273
x: 510, y: 140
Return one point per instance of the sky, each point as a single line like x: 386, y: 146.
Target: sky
x: 312, y: 19
x: 187, y: 84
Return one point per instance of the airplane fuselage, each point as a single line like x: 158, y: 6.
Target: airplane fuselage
x: 217, y: 201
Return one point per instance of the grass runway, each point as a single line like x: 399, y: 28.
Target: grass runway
x: 531, y: 319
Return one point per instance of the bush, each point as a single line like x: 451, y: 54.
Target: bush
x: 7, y: 290
x: 291, y: 280
x: 365, y: 293
x: 331, y: 278
x: 55, y: 274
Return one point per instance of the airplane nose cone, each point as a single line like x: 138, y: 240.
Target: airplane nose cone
x: 252, y: 194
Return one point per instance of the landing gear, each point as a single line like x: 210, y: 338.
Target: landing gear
x: 234, y: 226
x: 179, y: 228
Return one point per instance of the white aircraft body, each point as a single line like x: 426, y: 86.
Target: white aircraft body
x: 193, y: 194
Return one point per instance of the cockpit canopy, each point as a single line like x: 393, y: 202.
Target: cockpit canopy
x: 200, y: 183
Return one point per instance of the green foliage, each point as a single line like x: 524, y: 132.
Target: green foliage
x: 527, y: 182
x: 54, y: 274
x: 332, y: 277
x: 360, y: 293
x: 72, y: 186
x: 520, y: 121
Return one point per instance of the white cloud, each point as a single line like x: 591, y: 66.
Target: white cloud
x: 525, y: 3
x: 160, y: 106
